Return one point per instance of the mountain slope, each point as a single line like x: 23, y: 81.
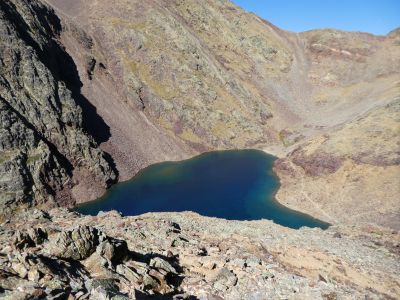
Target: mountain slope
x: 209, y: 76
x: 165, y: 80
x: 350, y: 174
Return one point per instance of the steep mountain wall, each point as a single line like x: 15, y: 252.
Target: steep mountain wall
x: 45, y: 151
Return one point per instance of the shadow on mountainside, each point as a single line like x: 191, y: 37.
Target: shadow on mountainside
x: 60, y: 64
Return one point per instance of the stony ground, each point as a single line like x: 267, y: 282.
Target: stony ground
x: 60, y: 254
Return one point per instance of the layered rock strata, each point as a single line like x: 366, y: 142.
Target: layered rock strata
x: 45, y: 150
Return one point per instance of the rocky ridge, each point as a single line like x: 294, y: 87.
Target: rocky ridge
x: 45, y: 149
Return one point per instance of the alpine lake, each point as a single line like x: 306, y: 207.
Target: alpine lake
x: 234, y: 184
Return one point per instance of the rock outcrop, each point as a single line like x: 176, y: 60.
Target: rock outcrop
x: 80, y: 263
x: 113, y: 257
x: 45, y: 150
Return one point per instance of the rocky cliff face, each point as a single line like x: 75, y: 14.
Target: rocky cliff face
x: 45, y: 150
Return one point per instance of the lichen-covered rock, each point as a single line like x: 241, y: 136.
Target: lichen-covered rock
x: 78, y: 243
x: 80, y: 263
x: 160, y: 263
x: 113, y: 250
x: 105, y: 289
x: 225, y: 279
x: 43, y: 143
x: 31, y: 238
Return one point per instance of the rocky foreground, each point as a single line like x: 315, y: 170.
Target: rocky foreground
x: 62, y: 255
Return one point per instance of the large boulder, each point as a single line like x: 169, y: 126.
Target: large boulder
x: 81, y: 242
x: 78, y: 243
x: 112, y: 250
x: 225, y: 279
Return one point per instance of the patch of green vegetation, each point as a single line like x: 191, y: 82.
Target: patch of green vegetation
x: 161, y: 89
x: 190, y: 136
x: 7, y: 155
x: 288, y: 138
x: 282, y: 136
x: 10, y: 194
x: 33, y: 158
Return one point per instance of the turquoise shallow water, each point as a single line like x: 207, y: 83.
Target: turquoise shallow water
x: 237, y: 185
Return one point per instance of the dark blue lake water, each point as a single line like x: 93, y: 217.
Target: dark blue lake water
x: 237, y: 185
